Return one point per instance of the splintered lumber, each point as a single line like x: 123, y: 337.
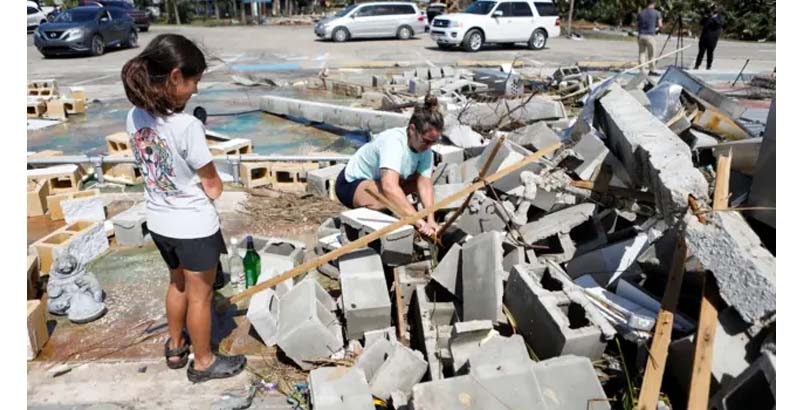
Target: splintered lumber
x: 363, y: 241
x: 654, y: 371
x: 707, y: 324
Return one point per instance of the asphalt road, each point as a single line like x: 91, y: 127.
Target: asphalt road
x: 296, y: 48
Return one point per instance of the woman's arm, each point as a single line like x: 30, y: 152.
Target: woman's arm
x: 210, y: 180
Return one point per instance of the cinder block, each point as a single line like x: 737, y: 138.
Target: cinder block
x: 281, y: 248
x: 254, y: 174
x: 443, y: 191
x: 755, y: 388
x: 410, y: 277
x: 534, y: 137
x: 401, y: 370
x: 54, y: 201
x: 322, y: 181
x: 448, y: 271
x: 37, y: 327
x: 87, y: 208
x: 466, y: 339
x: 396, y: 248
x: 50, y: 83
x: 483, y: 214
x: 448, y: 154
x: 88, y: 241
x: 74, y: 106
x: 481, y: 274
x: 497, y: 355
x: 130, y: 226
x: 33, y: 277
x: 339, y: 388
x: 364, y: 294
x: 128, y: 174
x: 290, y: 176
x: 570, y: 382
x: 60, y: 179
x: 44, y: 248
x: 233, y: 146
x: 36, y: 107
x: 263, y: 315
x: 554, y: 322
x: 37, y: 198
x: 373, y: 356
x: 55, y: 109
x: 306, y: 327
x: 373, y: 336
x: 271, y: 268
x: 118, y: 143
x: 77, y: 93
x: 508, y: 154
x: 430, y: 331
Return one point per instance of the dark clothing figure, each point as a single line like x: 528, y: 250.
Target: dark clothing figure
x: 712, y: 29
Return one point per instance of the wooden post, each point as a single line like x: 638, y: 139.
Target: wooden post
x: 401, y: 322
x: 654, y: 371
x: 363, y: 241
x: 569, y: 20
x: 707, y: 324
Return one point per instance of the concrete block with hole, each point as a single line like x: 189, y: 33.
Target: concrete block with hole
x: 372, y: 336
x: 306, y: 327
x: 263, y: 315
x: 447, y: 154
x: 430, y: 330
x: 395, y: 249
x: 402, y: 369
x: 555, y: 319
x: 254, y: 174
x: 282, y: 249
x: 755, y: 388
x: 365, y: 296
x: 130, y: 226
x: 322, y: 181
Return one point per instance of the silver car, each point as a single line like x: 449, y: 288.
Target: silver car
x: 370, y: 20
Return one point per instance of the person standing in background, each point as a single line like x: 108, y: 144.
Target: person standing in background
x: 712, y: 29
x: 649, y: 22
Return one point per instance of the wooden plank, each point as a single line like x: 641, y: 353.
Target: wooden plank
x: 707, y: 324
x: 654, y: 370
x: 363, y: 241
x: 401, y: 319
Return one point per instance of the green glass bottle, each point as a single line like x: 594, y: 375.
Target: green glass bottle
x: 252, y: 263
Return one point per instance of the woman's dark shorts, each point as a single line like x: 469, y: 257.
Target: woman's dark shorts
x: 196, y: 254
x: 345, y: 191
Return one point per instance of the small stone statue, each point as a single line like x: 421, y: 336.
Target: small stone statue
x: 74, y: 292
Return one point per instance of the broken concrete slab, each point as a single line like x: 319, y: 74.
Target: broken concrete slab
x: 262, y: 313
x: 364, y: 294
x: 461, y: 135
x: 483, y: 214
x: 519, y: 110
x: 88, y: 209
x: 654, y: 156
x: 130, y: 226
x: 554, y: 223
x: 745, y: 271
x: 594, y: 153
x: 507, y: 155
x: 570, y: 382
x: 442, y: 191
x: 339, y: 388
x: 466, y: 338
x: 481, y: 273
x: 448, y: 271
x: 499, y: 355
x: 534, y: 137
x: 306, y: 327
x: 333, y: 114
x: 396, y: 248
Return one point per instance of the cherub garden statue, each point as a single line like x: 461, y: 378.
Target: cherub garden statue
x: 73, y: 291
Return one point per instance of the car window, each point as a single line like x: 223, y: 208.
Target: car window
x: 118, y: 13
x: 32, y: 10
x: 366, y: 11
x: 104, y: 14
x: 343, y: 12
x: 505, y: 8
x: 521, y: 9
x: 546, y: 9
x: 383, y: 10
x: 404, y: 9
x: 480, y: 7
x: 76, y: 16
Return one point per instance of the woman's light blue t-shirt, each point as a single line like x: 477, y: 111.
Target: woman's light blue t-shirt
x: 389, y: 150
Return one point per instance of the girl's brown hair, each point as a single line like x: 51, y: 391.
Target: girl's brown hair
x: 427, y: 115
x: 145, y: 76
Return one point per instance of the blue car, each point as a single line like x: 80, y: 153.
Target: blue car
x: 86, y: 30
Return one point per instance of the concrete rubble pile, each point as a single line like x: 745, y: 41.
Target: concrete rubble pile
x: 554, y: 271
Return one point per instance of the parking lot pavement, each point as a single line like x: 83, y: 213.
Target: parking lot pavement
x: 297, y: 48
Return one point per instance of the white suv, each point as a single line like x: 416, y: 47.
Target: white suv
x: 504, y: 21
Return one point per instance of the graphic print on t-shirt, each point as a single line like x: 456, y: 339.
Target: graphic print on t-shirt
x: 155, y: 161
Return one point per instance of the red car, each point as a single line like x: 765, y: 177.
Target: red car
x: 139, y: 17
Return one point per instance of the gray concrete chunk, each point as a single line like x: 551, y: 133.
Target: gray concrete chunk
x: 130, y: 226
x: 320, y: 181
x: 447, y: 272
x: 339, y: 388
x: 402, y: 369
x: 570, y: 382
x: 466, y: 338
x: 481, y: 273
x: 364, y: 294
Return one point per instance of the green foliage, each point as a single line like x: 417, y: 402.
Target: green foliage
x: 744, y: 19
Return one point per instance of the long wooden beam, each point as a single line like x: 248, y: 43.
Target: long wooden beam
x: 363, y: 241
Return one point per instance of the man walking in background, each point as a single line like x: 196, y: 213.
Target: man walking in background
x: 649, y: 20
x: 712, y: 29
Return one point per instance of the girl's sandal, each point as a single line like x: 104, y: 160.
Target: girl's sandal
x: 223, y: 367
x: 182, y: 352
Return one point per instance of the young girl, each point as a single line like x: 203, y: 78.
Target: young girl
x: 181, y: 185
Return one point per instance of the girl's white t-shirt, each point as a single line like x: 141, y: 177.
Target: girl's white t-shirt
x: 169, y: 151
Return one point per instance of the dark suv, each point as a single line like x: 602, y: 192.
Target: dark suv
x: 139, y: 17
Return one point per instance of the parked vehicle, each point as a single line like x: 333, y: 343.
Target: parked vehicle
x: 435, y: 9
x: 86, y: 30
x: 35, y: 16
x: 505, y: 22
x: 370, y: 20
x: 139, y: 17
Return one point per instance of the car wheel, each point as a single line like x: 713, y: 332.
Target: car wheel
x: 444, y: 46
x: 404, y: 33
x: 98, y: 46
x: 340, y: 34
x: 133, y: 39
x: 538, y: 39
x: 473, y: 41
